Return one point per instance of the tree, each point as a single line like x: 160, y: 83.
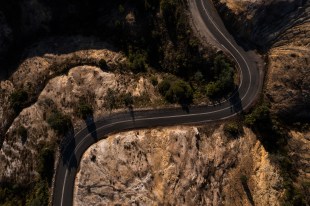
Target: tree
x: 176, y: 91
x: 128, y: 99
x: 84, y: 110
x: 163, y: 87
x: 59, y: 122
x: 23, y: 133
x: 260, y: 113
x: 18, y: 99
x: 110, y: 99
x: 232, y: 129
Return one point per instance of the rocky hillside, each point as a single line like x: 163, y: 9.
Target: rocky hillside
x: 282, y: 28
x: 178, y: 166
x: 262, y: 23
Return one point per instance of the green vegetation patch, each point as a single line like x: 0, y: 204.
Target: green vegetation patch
x: 176, y: 91
x: 59, y: 122
x: 233, y: 129
x: 84, y: 110
x: 222, y: 81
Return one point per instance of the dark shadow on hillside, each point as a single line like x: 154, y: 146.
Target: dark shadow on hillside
x: 67, y: 147
x: 248, y: 192
x: 40, y: 47
x: 261, y: 34
x: 131, y: 112
x: 91, y: 127
x: 185, y: 107
x: 235, y: 103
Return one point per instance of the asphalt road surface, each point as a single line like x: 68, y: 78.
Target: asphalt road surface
x: 250, y: 86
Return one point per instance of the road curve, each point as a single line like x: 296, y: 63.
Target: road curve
x: 249, y: 89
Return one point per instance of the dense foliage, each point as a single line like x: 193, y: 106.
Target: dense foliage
x: 84, y: 110
x: 176, y: 91
x: 59, y: 122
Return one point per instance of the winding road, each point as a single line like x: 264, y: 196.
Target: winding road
x: 251, y: 80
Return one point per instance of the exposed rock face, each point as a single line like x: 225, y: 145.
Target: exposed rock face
x: 177, y: 166
x: 51, y: 88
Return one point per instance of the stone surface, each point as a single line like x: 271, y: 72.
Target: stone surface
x: 176, y: 166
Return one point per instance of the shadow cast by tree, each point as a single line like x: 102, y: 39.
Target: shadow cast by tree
x: 67, y: 147
x: 235, y: 102
x: 91, y: 127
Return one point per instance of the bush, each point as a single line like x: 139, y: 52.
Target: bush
x: 84, y: 110
x: 137, y: 61
x: 59, y: 122
x: 260, y: 113
x: 39, y: 195
x: 23, y: 133
x: 154, y: 81
x: 110, y: 99
x: 176, y: 91
x: 232, y: 129
x: 223, y: 78
x: 164, y: 86
x: 46, y: 164
x: 128, y: 99
x: 102, y: 64
x: 18, y: 100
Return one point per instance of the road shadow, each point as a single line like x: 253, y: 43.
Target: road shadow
x: 185, y: 107
x: 67, y: 147
x: 235, y: 103
x: 91, y: 127
x: 131, y: 112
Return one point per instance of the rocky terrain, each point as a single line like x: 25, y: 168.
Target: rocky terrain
x: 61, y: 90
x: 282, y: 29
x: 178, y: 166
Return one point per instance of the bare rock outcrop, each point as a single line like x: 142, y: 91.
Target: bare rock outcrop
x: 177, y: 166
x: 60, y: 88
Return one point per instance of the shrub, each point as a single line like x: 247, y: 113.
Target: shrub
x: 23, y: 133
x: 59, y: 122
x: 137, y: 61
x: 154, y: 81
x: 46, y: 164
x: 260, y: 113
x: 176, y: 91
x: 128, y: 99
x: 243, y: 179
x: 18, y: 100
x: 84, y: 110
x: 102, y: 64
x: 110, y: 99
x: 223, y: 78
x: 163, y: 87
x: 232, y: 129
